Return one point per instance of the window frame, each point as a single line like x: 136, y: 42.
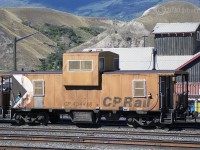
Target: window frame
x: 80, y: 66
x: 34, y: 93
x: 134, y: 88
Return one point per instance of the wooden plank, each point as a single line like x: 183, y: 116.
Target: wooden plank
x: 59, y: 92
x: 49, y: 90
x: 93, y: 99
x: 70, y: 97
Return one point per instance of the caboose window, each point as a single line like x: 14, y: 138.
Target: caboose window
x: 101, y: 63
x: 74, y: 65
x: 139, y: 88
x: 80, y: 65
x: 116, y: 63
x: 86, y: 65
x: 38, y: 87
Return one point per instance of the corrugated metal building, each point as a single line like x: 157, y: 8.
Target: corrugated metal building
x: 181, y: 39
x: 177, y: 38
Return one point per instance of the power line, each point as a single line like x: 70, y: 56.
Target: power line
x: 144, y: 36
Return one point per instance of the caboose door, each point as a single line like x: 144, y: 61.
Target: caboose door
x: 166, y: 93
x: 4, y: 95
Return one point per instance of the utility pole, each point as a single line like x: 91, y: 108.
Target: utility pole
x: 15, y: 49
x: 144, y: 39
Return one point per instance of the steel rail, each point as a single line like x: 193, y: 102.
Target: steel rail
x: 99, y: 140
x: 93, y: 132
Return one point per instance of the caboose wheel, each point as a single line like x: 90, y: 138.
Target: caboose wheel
x: 54, y: 117
x: 131, y: 123
x: 160, y: 126
x: 19, y: 119
x: 43, y: 118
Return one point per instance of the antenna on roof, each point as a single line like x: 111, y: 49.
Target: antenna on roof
x: 154, y: 52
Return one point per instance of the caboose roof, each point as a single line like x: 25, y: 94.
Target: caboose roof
x: 165, y: 28
x: 7, y: 73
x: 89, y: 52
x: 172, y: 72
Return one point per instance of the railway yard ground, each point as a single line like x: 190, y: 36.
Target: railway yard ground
x: 108, y: 135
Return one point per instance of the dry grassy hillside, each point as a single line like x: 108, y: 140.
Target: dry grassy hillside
x: 19, y: 22
x: 40, y: 16
x: 29, y: 50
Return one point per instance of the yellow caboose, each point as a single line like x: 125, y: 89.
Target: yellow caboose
x: 91, y: 86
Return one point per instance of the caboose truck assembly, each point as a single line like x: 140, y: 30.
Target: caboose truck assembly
x: 91, y: 86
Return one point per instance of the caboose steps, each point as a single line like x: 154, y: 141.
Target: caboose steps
x: 166, y: 118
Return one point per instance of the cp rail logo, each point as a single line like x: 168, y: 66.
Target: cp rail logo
x: 126, y: 102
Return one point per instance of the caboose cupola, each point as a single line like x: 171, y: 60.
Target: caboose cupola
x: 84, y: 68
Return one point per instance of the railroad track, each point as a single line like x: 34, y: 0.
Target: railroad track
x: 99, y: 140
x: 93, y: 132
x: 94, y: 136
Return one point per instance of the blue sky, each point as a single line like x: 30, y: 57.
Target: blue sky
x: 58, y: 4
x: 124, y: 10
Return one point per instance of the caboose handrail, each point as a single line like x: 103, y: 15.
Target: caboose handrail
x: 161, y: 101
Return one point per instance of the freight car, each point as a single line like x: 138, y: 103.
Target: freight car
x: 91, y: 86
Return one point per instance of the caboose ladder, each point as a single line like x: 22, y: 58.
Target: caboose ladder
x: 166, y: 99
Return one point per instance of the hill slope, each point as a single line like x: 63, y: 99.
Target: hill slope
x: 119, y: 35
x: 131, y: 34
x: 19, y: 22
x: 40, y: 16
x: 170, y: 12
x: 63, y: 31
x: 31, y: 49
